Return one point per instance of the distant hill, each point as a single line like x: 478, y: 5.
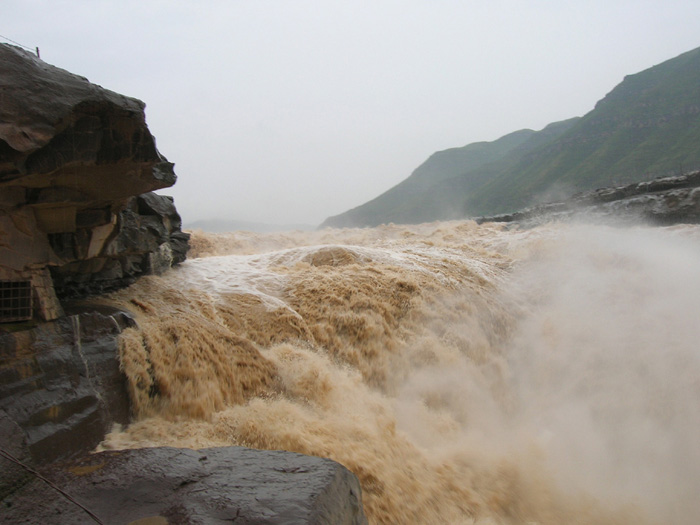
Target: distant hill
x: 648, y: 126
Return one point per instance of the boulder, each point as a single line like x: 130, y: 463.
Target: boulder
x: 78, y: 166
x: 182, y: 486
x: 54, y: 125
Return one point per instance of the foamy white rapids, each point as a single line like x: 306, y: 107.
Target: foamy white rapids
x: 466, y: 374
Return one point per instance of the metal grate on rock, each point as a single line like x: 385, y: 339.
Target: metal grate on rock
x: 15, y: 301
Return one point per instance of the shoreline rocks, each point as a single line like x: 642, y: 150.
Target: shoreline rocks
x: 78, y: 166
x: 61, y: 387
x: 181, y: 486
x: 663, y: 201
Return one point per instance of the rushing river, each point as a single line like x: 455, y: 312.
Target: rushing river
x: 465, y: 374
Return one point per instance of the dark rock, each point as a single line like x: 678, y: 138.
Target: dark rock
x: 147, y: 239
x: 61, y: 386
x: 161, y: 206
x: 77, y: 165
x: 182, y: 486
x: 53, y: 122
x: 180, y: 244
x: 13, y: 441
x: 663, y: 201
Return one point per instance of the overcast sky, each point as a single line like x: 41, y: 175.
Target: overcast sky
x: 290, y: 111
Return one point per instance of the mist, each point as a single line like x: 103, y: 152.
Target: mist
x: 605, y: 364
x: 598, y: 376
x: 291, y: 112
x: 465, y: 374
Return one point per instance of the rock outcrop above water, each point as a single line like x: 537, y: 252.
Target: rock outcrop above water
x: 664, y: 201
x: 61, y: 389
x: 216, y: 485
x: 77, y: 163
x: 78, y: 217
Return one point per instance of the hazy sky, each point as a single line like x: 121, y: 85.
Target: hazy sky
x: 290, y: 111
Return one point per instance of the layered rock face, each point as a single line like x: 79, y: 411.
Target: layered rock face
x: 78, y: 217
x: 61, y: 389
x: 76, y: 164
x: 217, y: 485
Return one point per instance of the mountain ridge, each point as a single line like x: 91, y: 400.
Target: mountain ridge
x: 646, y: 126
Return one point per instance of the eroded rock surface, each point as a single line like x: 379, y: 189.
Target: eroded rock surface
x: 61, y: 389
x: 145, y: 239
x: 54, y: 124
x: 77, y: 165
x: 182, y: 486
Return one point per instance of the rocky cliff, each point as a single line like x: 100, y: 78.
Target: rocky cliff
x: 61, y: 389
x: 78, y: 217
x: 77, y: 163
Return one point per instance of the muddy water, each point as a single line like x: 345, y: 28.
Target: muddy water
x: 464, y: 373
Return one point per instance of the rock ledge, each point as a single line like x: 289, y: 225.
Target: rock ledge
x: 173, y: 486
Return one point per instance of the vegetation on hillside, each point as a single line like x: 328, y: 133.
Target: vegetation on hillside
x: 648, y: 126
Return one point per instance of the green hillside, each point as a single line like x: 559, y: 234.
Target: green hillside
x: 410, y: 200
x: 647, y: 126
x: 429, y: 193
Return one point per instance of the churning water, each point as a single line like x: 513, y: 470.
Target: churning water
x: 464, y: 373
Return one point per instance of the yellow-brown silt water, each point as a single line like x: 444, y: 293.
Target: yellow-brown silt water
x: 466, y: 374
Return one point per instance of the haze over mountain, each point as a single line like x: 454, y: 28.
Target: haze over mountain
x: 647, y: 126
x: 229, y: 225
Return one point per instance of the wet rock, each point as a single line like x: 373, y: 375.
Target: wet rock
x: 61, y: 388
x: 54, y: 125
x: 13, y: 441
x: 181, y: 486
x: 77, y: 165
x: 146, y: 239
